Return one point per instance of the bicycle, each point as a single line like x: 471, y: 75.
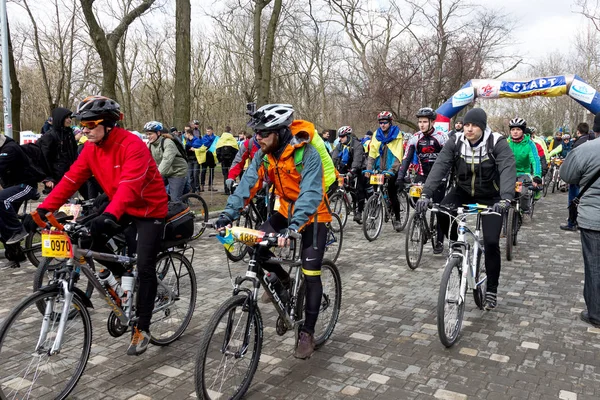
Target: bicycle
x: 378, y: 207
x: 514, y: 217
x: 200, y: 209
x: 463, y: 271
x: 232, y: 341
x: 344, y: 199
x: 35, y: 348
x: 419, y: 231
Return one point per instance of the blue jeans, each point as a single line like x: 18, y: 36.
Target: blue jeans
x: 590, y: 246
x: 194, y: 175
x: 176, y: 185
x: 573, y: 192
x: 11, y: 200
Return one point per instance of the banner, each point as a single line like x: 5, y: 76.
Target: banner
x: 29, y: 137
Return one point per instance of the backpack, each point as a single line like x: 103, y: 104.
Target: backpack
x: 36, y: 160
x: 179, y: 146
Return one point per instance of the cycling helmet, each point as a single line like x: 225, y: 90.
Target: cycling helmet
x: 566, y: 136
x: 173, y: 129
x: 385, y: 115
x: 98, y: 107
x: 344, y: 131
x: 518, y: 123
x: 153, y: 126
x: 272, y: 117
x: 427, y: 112
x: 532, y: 130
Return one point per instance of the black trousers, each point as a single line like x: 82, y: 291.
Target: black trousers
x: 438, y: 196
x: 491, y: 226
x: 312, y: 260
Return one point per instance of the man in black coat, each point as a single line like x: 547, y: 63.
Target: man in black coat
x: 58, y: 146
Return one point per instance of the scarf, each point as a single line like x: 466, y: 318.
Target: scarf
x: 392, y: 134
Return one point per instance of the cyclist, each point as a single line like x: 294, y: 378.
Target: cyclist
x: 385, y: 153
x: 526, y: 158
x: 555, y: 142
x: 127, y: 173
x: 349, y: 158
x: 458, y: 127
x: 279, y: 135
x: 366, y: 141
x: 247, y: 150
x: 426, y: 146
x: 484, y: 167
x: 539, y: 140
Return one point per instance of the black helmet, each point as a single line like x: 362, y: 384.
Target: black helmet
x: 98, y: 107
x: 427, y: 112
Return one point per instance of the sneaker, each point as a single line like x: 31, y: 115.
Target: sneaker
x: 490, y: 301
x: 306, y: 345
x: 397, y: 225
x: 568, y: 227
x: 438, y: 248
x: 17, y: 237
x: 358, y: 217
x: 139, y: 342
x: 13, y: 264
x: 585, y: 317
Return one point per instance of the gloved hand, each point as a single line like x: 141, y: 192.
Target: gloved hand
x: 399, y: 183
x: 229, y: 184
x: 537, y: 180
x: 350, y: 175
x: 223, y: 221
x: 422, y: 204
x: 99, y: 225
x: 285, y: 234
x: 501, y: 207
x: 100, y: 203
x: 28, y: 222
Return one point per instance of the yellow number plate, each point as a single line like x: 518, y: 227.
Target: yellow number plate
x: 246, y: 235
x: 415, y: 191
x: 341, y: 180
x: 518, y: 187
x: 57, y: 245
x: 377, y: 179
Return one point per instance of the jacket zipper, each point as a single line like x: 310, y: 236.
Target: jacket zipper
x: 473, y: 173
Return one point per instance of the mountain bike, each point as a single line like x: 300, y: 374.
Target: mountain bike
x: 463, y: 271
x: 232, y: 341
x: 378, y: 207
x: 47, y: 352
x: 344, y: 200
x: 420, y: 230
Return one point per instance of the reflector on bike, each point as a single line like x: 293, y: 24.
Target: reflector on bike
x: 415, y: 190
x: 518, y: 187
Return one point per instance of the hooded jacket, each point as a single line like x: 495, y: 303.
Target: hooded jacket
x: 479, y: 171
x: 58, y: 145
x: 125, y: 170
x: 303, y: 191
x: 526, y: 157
x: 226, y: 149
x: 170, y: 163
x: 354, y: 153
x: 247, y: 150
x: 14, y: 165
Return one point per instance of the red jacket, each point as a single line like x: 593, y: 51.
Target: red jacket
x: 247, y: 150
x: 126, y: 171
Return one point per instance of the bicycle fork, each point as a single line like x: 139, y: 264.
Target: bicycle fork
x: 64, y: 317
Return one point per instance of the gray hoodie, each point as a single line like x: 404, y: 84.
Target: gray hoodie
x: 579, y: 167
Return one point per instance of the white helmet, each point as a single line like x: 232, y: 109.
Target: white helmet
x: 344, y: 131
x: 272, y: 117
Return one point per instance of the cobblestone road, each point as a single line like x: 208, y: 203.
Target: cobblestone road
x: 385, y: 345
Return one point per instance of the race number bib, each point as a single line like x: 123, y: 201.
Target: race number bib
x: 56, y: 245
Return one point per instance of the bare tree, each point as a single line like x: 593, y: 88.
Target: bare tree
x: 263, y: 53
x: 182, y: 62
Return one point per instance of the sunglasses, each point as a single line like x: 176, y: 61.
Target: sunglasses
x: 264, y: 134
x: 91, y: 124
x: 384, y: 122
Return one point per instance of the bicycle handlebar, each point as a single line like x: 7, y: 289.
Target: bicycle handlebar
x: 371, y: 171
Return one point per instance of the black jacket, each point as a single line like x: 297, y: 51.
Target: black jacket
x: 58, y: 145
x: 487, y: 170
x: 14, y: 166
x: 582, y: 139
x: 226, y: 154
x: 358, y: 156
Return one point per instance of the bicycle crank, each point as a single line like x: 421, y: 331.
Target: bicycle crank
x: 114, y: 326
x: 280, y: 326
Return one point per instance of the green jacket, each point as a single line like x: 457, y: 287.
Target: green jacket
x: 170, y: 163
x: 526, y: 157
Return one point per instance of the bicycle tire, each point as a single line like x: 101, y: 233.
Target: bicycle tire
x: 335, y: 238
x: 20, y: 345
x: 33, y: 249
x: 545, y: 187
x: 239, y: 249
x: 175, y: 282
x: 334, y: 281
x: 480, y: 291
x: 372, y: 218
x: 198, y: 206
x: 449, y: 331
x: 44, y: 273
x: 204, y: 359
x: 414, y: 226
x: 404, y: 209
x: 517, y: 221
x: 339, y: 206
x: 510, y: 216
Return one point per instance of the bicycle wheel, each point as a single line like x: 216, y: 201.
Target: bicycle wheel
x: 198, y: 206
x: 372, y: 218
x: 481, y: 281
x: 45, y: 273
x: 510, y: 232
x: 331, y: 302
x: 414, y: 241
x: 33, y: 250
x: 450, y: 308
x: 517, y: 221
x: 404, y: 209
x: 27, y: 370
x: 545, y: 187
x: 224, y: 365
x: 175, y: 298
x: 335, y: 237
x: 338, y: 206
x: 239, y: 249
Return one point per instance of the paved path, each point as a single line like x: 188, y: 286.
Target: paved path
x: 385, y: 345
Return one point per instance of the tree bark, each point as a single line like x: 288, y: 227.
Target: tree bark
x: 263, y: 60
x: 15, y: 91
x: 181, y: 96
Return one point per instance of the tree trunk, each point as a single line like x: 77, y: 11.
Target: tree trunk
x: 15, y: 92
x: 263, y: 60
x: 182, y: 63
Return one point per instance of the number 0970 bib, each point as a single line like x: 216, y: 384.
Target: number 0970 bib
x: 56, y: 245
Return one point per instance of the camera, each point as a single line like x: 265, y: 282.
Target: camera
x: 250, y: 108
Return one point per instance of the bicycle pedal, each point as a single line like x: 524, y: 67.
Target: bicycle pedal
x: 280, y: 327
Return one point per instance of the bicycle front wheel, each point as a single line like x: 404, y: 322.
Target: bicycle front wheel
x: 27, y: 370
x: 414, y: 241
x: 239, y: 249
x: 372, y: 218
x: 404, y: 209
x: 335, y: 237
x: 510, y: 232
x: 339, y: 206
x: 198, y: 206
x: 229, y: 351
x: 480, y: 290
x: 450, y: 306
x: 175, y: 298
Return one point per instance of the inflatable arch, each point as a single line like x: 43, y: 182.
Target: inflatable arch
x: 549, y: 86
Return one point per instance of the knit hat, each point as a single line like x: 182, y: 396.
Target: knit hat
x: 477, y: 117
x: 596, y: 127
